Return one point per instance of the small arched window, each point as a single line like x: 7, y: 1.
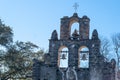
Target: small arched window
x: 83, y: 57
x: 75, y: 26
x: 63, y: 57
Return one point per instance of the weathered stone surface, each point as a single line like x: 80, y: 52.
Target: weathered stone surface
x: 98, y: 68
x: 54, y: 35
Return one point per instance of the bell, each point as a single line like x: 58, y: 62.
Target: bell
x: 84, y: 57
x: 63, y: 56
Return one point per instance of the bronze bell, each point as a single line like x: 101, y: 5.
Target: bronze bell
x: 63, y: 56
x: 84, y: 57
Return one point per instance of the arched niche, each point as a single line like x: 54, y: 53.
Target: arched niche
x: 74, y: 24
x: 83, y: 53
x: 63, y: 57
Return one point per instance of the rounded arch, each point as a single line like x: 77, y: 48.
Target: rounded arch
x: 83, y: 48
x: 74, y: 23
x: 73, y: 20
x: 63, y: 57
x: 74, y: 26
x: 61, y: 48
x: 83, y: 55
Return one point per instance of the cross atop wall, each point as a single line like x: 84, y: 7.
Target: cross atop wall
x: 76, y: 6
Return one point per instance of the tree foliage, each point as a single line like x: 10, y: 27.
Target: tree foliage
x: 15, y: 57
x: 18, y: 60
x: 6, y: 34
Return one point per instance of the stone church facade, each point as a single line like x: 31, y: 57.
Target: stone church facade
x: 74, y: 56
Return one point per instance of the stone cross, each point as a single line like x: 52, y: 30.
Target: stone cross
x: 76, y: 6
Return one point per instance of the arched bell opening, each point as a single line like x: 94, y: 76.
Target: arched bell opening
x: 83, y: 54
x: 74, y: 29
x: 63, y: 57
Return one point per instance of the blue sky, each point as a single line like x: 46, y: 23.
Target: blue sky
x: 34, y: 20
